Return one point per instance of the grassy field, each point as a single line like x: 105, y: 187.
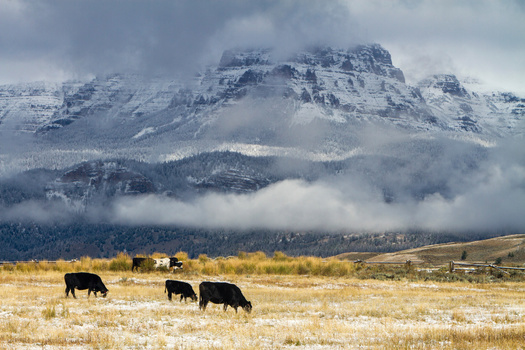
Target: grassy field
x: 507, y: 249
x: 334, y: 308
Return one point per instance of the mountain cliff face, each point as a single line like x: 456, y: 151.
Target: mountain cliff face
x: 96, y: 181
x: 343, y: 88
x: 316, y: 105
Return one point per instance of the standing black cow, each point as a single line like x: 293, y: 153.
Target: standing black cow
x: 178, y: 287
x: 222, y: 293
x: 137, y: 262
x: 84, y: 280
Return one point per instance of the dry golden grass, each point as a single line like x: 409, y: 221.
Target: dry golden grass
x: 510, y: 249
x: 290, y: 311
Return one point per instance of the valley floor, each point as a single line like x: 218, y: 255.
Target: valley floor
x: 295, y: 312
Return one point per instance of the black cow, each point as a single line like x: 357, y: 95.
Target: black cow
x: 222, y: 293
x: 174, y: 262
x: 178, y: 287
x: 137, y: 262
x: 84, y: 280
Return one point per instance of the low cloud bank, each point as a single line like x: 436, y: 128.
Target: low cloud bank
x: 494, y: 200
x: 435, y: 186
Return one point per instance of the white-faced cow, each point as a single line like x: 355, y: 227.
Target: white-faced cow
x: 222, y: 293
x: 84, y: 280
x: 178, y: 287
x: 168, y: 263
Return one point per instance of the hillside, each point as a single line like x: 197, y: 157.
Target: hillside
x: 511, y: 250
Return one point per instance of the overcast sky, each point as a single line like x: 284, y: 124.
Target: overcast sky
x: 63, y: 39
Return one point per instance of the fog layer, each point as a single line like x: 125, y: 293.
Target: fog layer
x: 492, y: 197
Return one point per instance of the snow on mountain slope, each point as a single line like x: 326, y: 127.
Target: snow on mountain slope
x: 495, y: 114
x: 312, y: 105
x: 26, y: 107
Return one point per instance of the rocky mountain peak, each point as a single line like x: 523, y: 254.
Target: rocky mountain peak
x: 371, y: 58
x: 252, y: 97
x: 244, y: 58
x: 447, y: 83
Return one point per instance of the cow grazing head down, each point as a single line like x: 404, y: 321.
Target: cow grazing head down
x: 247, y: 307
x: 179, y: 287
x: 84, y: 280
x: 222, y: 293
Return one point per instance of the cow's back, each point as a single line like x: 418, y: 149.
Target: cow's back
x: 71, y: 280
x: 82, y: 280
x: 209, y: 291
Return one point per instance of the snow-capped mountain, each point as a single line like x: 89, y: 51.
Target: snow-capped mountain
x: 250, y: 102
x: 316, y: 105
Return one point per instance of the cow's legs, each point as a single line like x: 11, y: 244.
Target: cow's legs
x: 73, y: 292
x: 225, y: 306
x: 67, y: 291
x: 182, y: 296
x: 202, y: 305
x: 169, y: 295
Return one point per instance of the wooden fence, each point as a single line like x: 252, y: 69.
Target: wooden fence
x: 452, y: 266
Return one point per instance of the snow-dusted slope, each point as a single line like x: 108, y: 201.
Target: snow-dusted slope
x: 312, y: 105
x: 26, y: 107
x: 495, y: 114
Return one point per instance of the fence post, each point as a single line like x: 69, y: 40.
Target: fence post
x: 408, y: 265
x: 451, y: 267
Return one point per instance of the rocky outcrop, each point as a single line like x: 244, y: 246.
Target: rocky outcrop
x: 95, y: 182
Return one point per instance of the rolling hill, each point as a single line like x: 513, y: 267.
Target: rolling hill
x: 511, y: 250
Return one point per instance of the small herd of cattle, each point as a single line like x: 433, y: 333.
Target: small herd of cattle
x: 215, y: 292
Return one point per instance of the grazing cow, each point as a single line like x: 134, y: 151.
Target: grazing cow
x: 178, y: 287
x: 222, y: 293
x: 175, y: 263
x: 137, y: 262
x: 168, y: 263
x: 84, y: 280
x: 162, y: 262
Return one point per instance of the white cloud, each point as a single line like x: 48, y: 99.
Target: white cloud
x: 492, y: 201
x: 481, y: 38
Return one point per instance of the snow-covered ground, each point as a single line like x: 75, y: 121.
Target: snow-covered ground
x: 289, y: 312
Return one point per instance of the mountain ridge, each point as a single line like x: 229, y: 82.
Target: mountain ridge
x: 313, y: 105
x: 324, y: 133
x: 336, y: 85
